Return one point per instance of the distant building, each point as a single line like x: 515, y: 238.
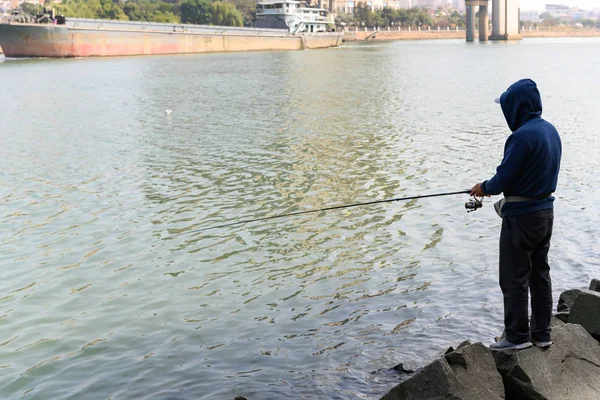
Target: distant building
x: 348, y: 6
x: 559, y: 11
x: 577, y: 13
x: 530, y: 15
x: 430, y: 3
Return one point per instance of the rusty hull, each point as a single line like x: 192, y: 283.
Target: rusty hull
x: 127, y: 39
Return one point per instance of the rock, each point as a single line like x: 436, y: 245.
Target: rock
x: 240, y: 398
x: 562, y: 316
x: 456, y: 358
x: 559, y: 319
x: 400, y: 368
x: 585, y: 311
x: 595, y: 285
x: 566, y: 299
x: 568, y: 370
x: 465, y: 374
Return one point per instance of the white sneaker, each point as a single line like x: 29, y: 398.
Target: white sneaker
x: 506, y: 345
x: 543, y: 345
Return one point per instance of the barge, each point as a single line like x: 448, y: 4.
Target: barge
x: 312, y: 28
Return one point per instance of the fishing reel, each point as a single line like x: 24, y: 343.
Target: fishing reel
x: 473, y: 204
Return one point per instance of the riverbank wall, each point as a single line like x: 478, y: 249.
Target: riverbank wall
x: 563, y: 33
x: 568, y: 369
x: 383, y: 34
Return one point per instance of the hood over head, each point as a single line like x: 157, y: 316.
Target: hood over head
x: 520, y: 103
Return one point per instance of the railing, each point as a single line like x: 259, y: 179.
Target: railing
x: 166, y: 27
x: 400, y: 29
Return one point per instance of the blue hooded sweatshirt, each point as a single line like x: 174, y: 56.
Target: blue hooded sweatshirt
x: 531, y: 154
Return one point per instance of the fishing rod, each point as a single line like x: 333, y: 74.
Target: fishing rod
x: 471, y: 205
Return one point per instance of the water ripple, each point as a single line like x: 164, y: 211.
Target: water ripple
x: 108, y: 291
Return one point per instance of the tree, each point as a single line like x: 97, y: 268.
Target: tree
x: 31, y: 8
x: 225, y: 14
x: 167, y: 17
x: 77, y: 9
x: 247, y: 8
x: 110, y: 10
x: 387, y: 16
x: 589, y: 23
x: 195, y: 12
x: 364, y: 14
x: 151, y: 10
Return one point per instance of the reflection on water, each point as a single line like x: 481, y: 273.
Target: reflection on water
x: 107, y: 293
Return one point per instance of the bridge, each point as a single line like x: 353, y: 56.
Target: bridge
x: 505, y: 19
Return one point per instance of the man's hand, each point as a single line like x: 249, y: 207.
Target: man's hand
x: 476, y: 191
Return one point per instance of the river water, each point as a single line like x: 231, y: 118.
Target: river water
x: 106, y: 290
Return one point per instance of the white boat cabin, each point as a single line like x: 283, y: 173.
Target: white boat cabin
x: 292, y: 15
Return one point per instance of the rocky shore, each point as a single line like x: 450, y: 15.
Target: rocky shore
x: 567, y: 370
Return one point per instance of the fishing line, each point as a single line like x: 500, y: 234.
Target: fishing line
x: 328, y: 209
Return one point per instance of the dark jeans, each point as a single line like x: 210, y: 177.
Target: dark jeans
x: 524, y: 245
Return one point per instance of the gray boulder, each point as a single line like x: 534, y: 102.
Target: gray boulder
x: 595, y: 285
x: 567, y: 370
x: 585, y: 311
x: 566, y: 299
x: 468, y: 373
x: 562, y: 316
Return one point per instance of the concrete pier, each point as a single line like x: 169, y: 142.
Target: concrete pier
x: 483, y: 19
x: 505, y: 20
x: 470, y: 19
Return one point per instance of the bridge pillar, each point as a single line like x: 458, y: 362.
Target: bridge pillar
x: 484, y: 21
x: 470, y: 23
x: 505, y: 20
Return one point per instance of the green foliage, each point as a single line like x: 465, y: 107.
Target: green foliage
x: 247, y: 8
x: 365, y: 16
x: 195, y: 12
x: 225, y: 14
x: 150, y: 10
x: 186, y: 11
x: 110, y: 10
x: 77, y: 8
x: 33, y: 9
x: 100, y: 9
x: 589, y: 23
x: 167, y: 17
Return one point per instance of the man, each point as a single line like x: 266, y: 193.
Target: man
x: 527, y: 176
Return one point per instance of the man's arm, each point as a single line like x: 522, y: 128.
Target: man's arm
x: 515, y: 152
